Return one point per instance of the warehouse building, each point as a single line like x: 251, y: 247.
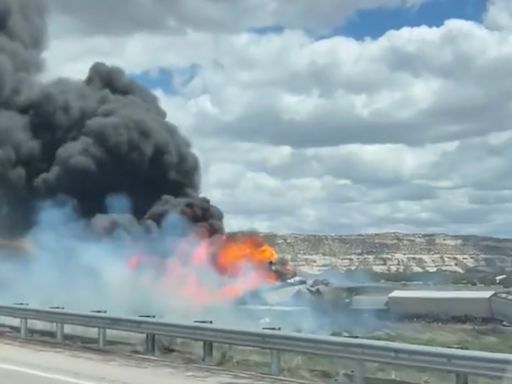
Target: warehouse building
x: 442, y: 304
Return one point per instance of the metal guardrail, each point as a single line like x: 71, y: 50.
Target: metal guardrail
x: 462, y: 363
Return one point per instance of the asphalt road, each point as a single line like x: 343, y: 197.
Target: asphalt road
x: 35, y: 363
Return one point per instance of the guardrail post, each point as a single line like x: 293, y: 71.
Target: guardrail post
x: 59, y: 327
x: 275, y: 356
x: 102, y: 332
x: 275, y: 362
x: 207, y: 345
x: 461, y: 378
x: 59, y: 331
x: 207, y: 351
x: 24, y: 328
x: 359, y: 372
x: 102, y: 337
x: 150, y: 347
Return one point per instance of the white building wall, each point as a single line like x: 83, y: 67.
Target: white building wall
x: 441, y: 303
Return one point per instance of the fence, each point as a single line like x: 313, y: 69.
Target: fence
x: 459, y: 362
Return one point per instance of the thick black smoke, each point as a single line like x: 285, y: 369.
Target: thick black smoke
x: 85, y: 140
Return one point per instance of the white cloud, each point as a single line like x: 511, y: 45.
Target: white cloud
x: 499, y: 15
x: 115, y: 17
x: 409, y: 131
x: 413, y: 86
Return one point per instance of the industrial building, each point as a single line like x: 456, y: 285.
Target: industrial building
x: 441, y: 304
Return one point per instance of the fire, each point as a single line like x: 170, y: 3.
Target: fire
x: 247, y: 250
x: 212, y: 270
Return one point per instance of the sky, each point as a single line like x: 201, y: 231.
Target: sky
x: 325, y: 116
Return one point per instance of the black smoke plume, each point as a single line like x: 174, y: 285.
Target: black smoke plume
x: 86, y: 141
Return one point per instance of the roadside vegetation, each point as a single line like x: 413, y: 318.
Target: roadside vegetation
x: 490, y: 338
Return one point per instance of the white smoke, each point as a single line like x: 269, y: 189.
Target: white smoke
x: 69, y: 265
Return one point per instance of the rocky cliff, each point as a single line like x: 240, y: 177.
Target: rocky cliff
x: 393, y: 252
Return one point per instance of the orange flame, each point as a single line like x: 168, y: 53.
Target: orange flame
x: 237, y: 252
x: 210, y: 271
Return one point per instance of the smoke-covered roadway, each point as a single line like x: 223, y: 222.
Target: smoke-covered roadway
x: 36, y: 364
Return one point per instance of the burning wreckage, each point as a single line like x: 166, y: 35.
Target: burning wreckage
x: 242, y: 263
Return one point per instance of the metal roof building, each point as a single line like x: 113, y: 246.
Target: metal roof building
x: 441, y: 304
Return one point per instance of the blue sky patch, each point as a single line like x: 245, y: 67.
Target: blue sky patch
x: 373, y: 23
x: 168, y: 80
x: 158, y: 78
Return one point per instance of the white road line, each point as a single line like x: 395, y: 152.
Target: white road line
x: 44, y: 374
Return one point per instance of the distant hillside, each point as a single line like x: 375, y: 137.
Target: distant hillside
x: 382, y: 252
x: 392, y: 252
